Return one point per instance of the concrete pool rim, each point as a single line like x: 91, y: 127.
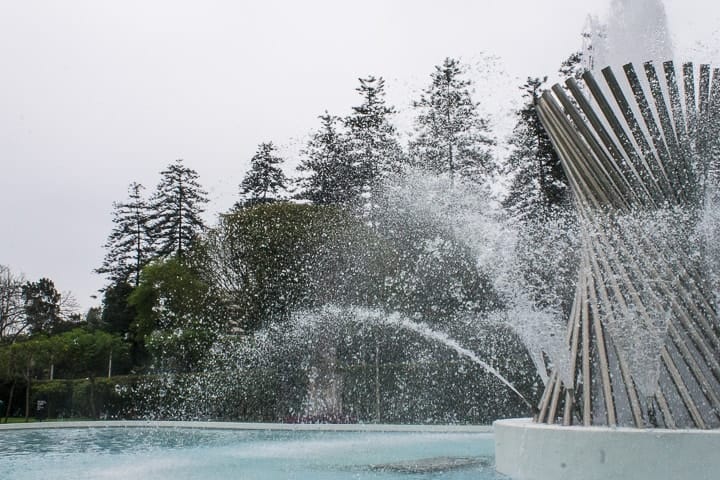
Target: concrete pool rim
x: 214, y: 425
x: 525, y: 450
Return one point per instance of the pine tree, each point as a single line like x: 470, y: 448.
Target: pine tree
x: 572, y: 67
x: 326, y: 159
x: 128, y: 248
x: 176, y: 209
x: 538, y: 181
x: 265, y: 179
x: 452, y: 138
x: 375, y: 153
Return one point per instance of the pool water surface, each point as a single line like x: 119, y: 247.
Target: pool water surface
x: 193, y: 453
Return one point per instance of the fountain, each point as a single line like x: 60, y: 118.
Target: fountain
x: 641, y: 398
x: 634, y: 388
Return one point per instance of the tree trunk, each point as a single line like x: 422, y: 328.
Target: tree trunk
x: 93, y: 410
x: 27, y: 396
x: 9, y: 405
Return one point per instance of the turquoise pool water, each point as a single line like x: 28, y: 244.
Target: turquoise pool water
x: 183, y: 453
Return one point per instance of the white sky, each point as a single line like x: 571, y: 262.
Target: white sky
x: 96, y: 94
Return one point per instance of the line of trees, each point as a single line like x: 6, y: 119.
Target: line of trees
x: 175, y: 285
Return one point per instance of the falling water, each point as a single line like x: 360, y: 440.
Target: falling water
x: 444, y: 339
x: 635, y: 31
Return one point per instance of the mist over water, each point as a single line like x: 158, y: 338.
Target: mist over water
x: 517, y: 258
x: 634, y: 31
x: 532, y: 268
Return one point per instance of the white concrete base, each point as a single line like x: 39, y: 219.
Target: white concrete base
x: 529, y: 451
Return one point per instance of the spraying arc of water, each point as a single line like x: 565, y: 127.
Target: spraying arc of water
x: 441, y: 337
x: 396, y: 318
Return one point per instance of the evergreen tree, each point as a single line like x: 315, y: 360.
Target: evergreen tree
x: 128, y: 248
x: 375, y: 153
x: 265, y: 179
x: 326, y: 159
x: 176, y: 208
x: 572, y: 67
x: 538, y: 181
x: 451, y: 137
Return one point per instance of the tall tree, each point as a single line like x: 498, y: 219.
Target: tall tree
x: 129, y: 246
x: 265, y: 179
x: 176, y: 209
x: 328, y: 164
x: 452, y: 137
x: 538, y: 181
x: 374, y: 149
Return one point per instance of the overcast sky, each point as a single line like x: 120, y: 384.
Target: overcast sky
x: 96, y: 94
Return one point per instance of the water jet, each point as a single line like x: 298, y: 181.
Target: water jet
x: 643, y: 335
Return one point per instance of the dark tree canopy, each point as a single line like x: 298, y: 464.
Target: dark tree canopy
x: 265, y: 179
x: 538, y: 180
x: 374, y: 150
x: 451, y: 136
x: 117, y: 314
x: 329, y: 167
x: 572, y: 67
x: 42, y: 306
x: 128, y: 248
x: 176, y: 209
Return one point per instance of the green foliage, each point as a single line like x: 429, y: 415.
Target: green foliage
x: 375, y: 153
x: 56, y: 393
x: 85, y: 398
x: 261, y: 260
x: 329, y: 165
x: 265, y: 180
x: 538, y: 181
x: 88, y: 353
x: 539, y: 197
x: 176, y: 208
x: 42, y: 306
x: 452, y: 138
x: 78, y: 352
x: 267, y: 261
x: 176, y: 315
x: 381, y: 372
x: 22, y: 357
x: 117, y: 313
x: 129, y: 246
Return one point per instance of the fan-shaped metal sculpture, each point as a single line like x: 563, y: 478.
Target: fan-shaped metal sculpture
x: 643, y: 334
